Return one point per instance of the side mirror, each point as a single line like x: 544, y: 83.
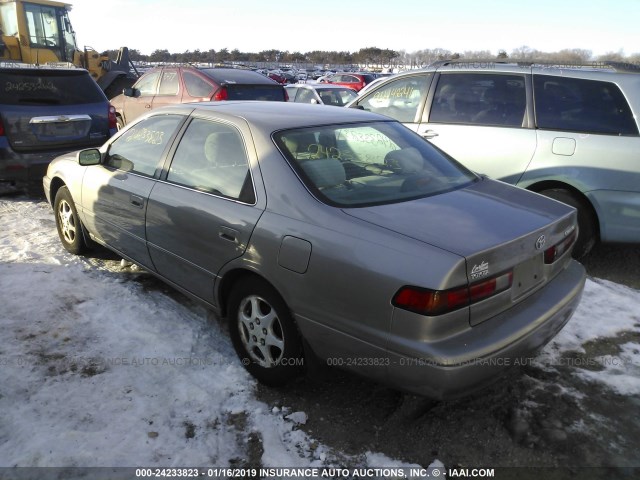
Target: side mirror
x: 89, y: 157
x: 129, y: 92
x: 314, y: 101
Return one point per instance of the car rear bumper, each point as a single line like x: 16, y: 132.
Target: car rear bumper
x: 25, y: 169
x: 438, y: 369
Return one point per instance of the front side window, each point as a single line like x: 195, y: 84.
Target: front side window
x: 398, y: 99
x: 139, y: 149
x: 147, y: 84
x: 579, y: 105
x: 369, y: 164
x: 480, y: 99
x: 211, y: 157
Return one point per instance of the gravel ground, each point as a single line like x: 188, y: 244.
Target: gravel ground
x: 534, y: 418
x: 618, y: 263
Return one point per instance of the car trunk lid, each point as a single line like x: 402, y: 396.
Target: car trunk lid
x: 497, y: 229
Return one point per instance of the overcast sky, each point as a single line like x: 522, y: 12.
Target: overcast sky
x: 410, y: 25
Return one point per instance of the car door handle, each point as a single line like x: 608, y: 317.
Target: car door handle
x: 137, y: 201
x: 228, y: 234
x: 429, y: 134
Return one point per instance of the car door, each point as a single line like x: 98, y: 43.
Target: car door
x: 115, y: 193
x: 143, y: 92
x: 202, y: 212
x: 169, y: 89
x: 483, y: 121
x: 588, y: 139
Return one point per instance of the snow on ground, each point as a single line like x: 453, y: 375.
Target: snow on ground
x: 607, y: 311
x: 96, y: 371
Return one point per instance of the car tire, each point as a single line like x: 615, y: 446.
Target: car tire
x: 264, y: 333
x: 68, y: 223
x: 587, y: 234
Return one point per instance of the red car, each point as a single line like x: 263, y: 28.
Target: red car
x: 355, y: 81
x: 170, y: 85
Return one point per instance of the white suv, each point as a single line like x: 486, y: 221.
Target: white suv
x: 568, y: 132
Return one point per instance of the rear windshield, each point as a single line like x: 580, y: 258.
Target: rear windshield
x: 364, y: 164
x: 255, y: 92
x: 235, y: 75
x: 45, y: 87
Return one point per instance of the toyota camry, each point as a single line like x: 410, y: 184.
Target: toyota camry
x: 331, y: 234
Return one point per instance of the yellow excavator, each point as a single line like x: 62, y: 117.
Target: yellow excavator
x: 39, y: 32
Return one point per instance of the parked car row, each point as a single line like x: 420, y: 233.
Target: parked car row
x: 338, y: 233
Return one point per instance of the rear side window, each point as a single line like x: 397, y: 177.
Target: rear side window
x: 169, y: 83
x: 398, y: 99
x: 45, y: 87
x: 255, y: 92
x: 140, y: 148
x: 579, y: 105
x: 196, y: 86
x: 480, y: 99
x: 336, y: 97
x: 305, y: 95
x: 211, y: 158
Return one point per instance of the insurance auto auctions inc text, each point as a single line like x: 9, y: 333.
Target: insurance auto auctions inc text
x: 381, y: 473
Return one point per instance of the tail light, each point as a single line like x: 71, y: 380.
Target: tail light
x: 1, y: 128
x: 551, y: 254
x: 437, y: 302
x: 113, y: 122
x: 221, y: 94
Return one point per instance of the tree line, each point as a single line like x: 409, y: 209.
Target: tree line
x: 374, y: 57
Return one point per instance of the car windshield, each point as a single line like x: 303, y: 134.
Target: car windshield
x: 355, y: 165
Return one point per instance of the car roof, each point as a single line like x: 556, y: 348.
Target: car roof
x: 236, y: 75
x: 324, y: 86
x: 272, y: 116
x: 10, y: 67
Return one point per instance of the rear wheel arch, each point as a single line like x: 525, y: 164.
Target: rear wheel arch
x: 587, y: 215
x: 229, y: 282
x: 262, y: 328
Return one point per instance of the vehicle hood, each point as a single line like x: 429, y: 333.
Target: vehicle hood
x: 467, y: 221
